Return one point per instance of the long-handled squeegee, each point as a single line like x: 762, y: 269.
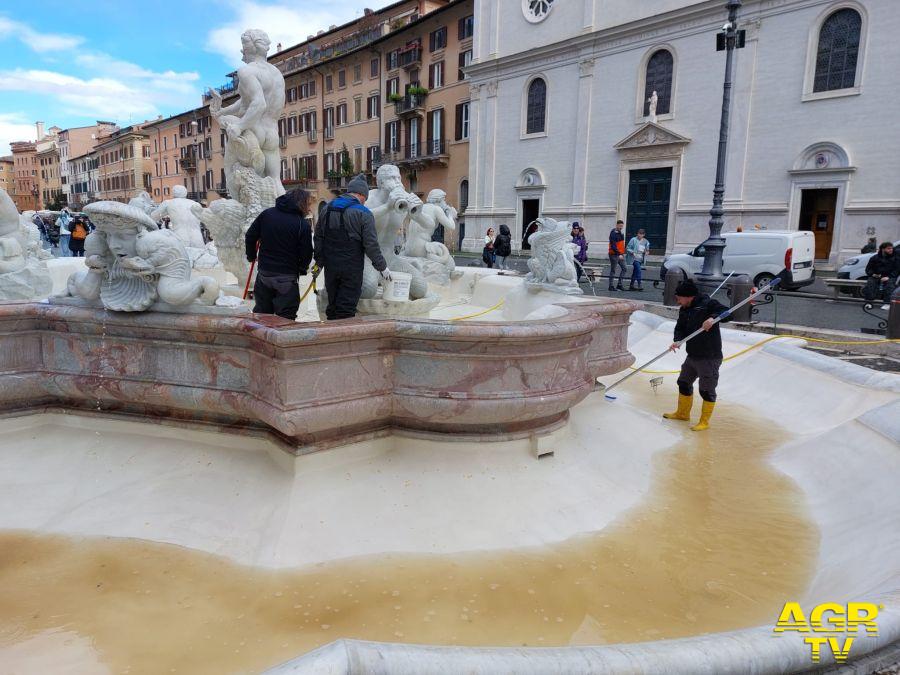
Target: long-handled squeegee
x: 724, y: 315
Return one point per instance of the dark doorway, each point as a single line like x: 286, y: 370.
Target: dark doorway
x: 531, y: 211
x: 648, y: 206
x: 817, y: 211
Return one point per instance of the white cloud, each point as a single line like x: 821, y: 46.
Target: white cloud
x: 14, y: 127
x: 285, y: 23
x: 36, y: 40
x: 109, y: 89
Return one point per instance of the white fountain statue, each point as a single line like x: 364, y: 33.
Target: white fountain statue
x: 431, y: 258
x: 552, y: 265
x: 133, y: 266
x: 252, y: 157
x: 144, y: 202
x: 23, y: 270
x: 184, y: 220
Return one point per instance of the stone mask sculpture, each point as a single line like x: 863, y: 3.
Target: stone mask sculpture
x: 552, y: 263
x: 131, y: 264
x: 23, y: 272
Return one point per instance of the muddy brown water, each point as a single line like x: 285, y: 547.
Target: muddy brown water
x: 720, y: 543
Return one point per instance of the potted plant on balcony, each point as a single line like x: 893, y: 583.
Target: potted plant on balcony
x: 395, y: 98
x: 418, y: 91
x: 347, y: 168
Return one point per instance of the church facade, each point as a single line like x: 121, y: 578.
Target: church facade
x: 596, y: 110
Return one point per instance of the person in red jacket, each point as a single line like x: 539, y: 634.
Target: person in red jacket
x: 617, y: 255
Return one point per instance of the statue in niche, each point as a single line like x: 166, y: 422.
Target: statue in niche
x: 131, y: 264
x: 251, y: 123
x: 23, y: 270
x: 552, y: 265
x: 184, y: 220
x: 653, y: 101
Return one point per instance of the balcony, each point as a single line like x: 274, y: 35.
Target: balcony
x: 196, y: 196
x: 419, y: 155
x: 188, y: 163
x: 411, y: 58
x: 311, y: 136
x: 329, y: 133
x: 282, y: 141
x: 221, y: 189
x: 338, y: 183
x: 411, y: 104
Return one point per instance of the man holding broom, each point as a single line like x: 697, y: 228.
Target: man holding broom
x: 704, y: 352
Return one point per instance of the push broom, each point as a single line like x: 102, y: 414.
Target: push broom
x: 724, y: 315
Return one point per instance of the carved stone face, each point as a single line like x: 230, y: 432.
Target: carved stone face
x: 122, y: 242
x: 388, y: 177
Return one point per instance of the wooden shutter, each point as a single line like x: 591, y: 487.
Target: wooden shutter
x: 459, y: 121
x: 462, y: 28
x: 431, y: 41
x: 462, y: 62
x: 431, y: 76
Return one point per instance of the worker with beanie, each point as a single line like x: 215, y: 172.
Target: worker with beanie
x: 704, y: 352
x: 345, y: 234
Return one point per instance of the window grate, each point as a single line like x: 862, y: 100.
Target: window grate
x: 660, y: 69
x: 838, y: 52
x: 537, y: 107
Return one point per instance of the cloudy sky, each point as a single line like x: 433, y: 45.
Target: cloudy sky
x: 71, y: 62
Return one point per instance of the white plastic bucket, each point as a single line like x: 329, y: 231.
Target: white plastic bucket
x: 397, y: 289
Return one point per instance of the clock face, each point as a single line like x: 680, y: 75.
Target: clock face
x: 536, y: 10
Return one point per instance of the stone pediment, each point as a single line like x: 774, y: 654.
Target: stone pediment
x: 651, y: 134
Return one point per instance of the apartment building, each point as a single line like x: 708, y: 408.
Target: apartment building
x: 125, y: 167
x: 187, y: 149
x: 49, y: 186
x: 27, y: 195
x: 8, y: 175
x: 76, y: 142
x: 83, y: 179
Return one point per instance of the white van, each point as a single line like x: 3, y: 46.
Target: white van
x: 760, y: 254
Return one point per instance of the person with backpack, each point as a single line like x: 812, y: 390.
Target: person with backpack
x: 487, y: 253
x: 345, y: 236
x: 503, y: 247
x: 79, y: 232
x: 581, y: 256
x: 280, y: 242
x: 617, y: 255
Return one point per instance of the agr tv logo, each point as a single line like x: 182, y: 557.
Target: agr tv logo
x: 833, y: 624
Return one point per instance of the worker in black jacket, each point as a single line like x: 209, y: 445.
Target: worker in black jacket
x: 283, y: 237
x: 704, y: 352
x: 882, y: 269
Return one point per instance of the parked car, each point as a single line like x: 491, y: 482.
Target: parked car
x: 761, y: 255
x: 855, y: 268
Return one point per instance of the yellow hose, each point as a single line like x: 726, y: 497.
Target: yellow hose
x: 482, y: 313
x: 775, y: 337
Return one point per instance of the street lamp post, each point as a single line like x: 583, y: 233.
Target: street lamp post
x: 715, y: 245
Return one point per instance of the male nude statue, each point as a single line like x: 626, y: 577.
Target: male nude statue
x: 251, y: 123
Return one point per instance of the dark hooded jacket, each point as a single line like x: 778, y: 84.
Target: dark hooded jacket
x: 503, y: 242
x: 881, y: 265
x: 285, y: 239
x: 360, y: 224
x: 707, y: 345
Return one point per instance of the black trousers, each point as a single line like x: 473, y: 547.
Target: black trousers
x: 343, y: 282
x: 877, y: 290
x: 270, y: 301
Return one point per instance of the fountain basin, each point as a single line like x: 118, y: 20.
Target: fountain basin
x: 313, y: 385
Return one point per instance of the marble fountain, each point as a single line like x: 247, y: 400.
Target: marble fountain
x: 433, y: 487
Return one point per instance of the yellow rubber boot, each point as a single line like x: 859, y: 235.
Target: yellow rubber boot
x: 684, y: 409
x: 705, y: 413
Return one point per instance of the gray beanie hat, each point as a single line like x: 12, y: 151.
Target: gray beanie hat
x: 358, y: 185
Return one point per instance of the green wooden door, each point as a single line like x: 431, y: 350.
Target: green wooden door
x: 648, y: 206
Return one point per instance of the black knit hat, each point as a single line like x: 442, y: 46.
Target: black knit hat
x: 687, y: 289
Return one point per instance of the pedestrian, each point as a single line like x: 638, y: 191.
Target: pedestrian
x: 65, y: 234
x: 503, y: 247
x: 580, y: 241
x: 882, y: 271
x: 52, y: 235
x: 280, y: 242
x: 704, y: 352
x: 345, y: 235
x: 487, y: 253
x: 42, y: 228
x: 79, y: 232
x: 870, y: 246
x: 636, y: 255
x: 617, y: 255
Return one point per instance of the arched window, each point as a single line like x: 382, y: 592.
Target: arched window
x: 536, y: 112
x: 660, y: 69
x: 838, y: 51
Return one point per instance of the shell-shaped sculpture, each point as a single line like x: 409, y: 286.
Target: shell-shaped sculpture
x: 121, y: 292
